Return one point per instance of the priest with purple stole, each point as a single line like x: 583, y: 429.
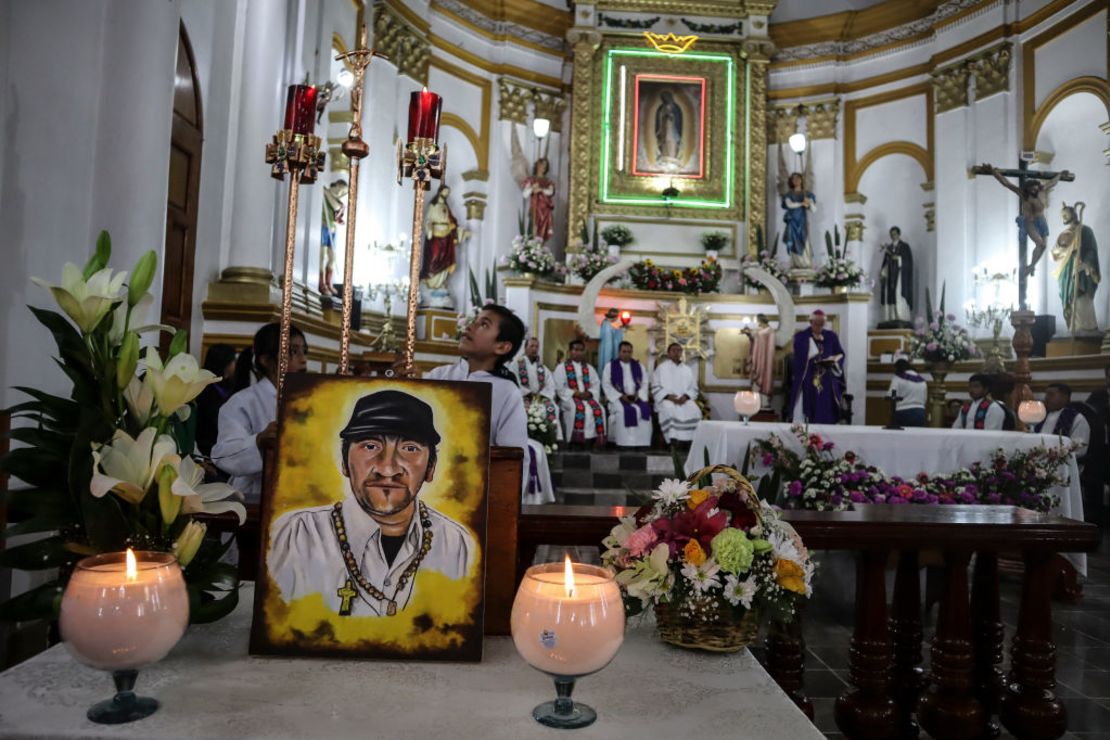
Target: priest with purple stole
x: 626, y: 393
x: 815, y: 397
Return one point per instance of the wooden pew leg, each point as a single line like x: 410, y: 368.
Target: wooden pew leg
x: 905, y: 630
x: 987, y: 630
x: 949, y: 708
x: 1030, y: 708
x: 786, y: 660
x: 867, y: 709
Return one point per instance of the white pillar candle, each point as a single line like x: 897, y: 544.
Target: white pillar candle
x: 113, y: 619
x: 568, y: 618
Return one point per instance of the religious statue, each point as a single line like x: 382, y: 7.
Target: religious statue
x: 335, y: 205
x: 1078, y: 274
x: 668, y: 130
x: 896, y: 283
x: 761, y: 359
x: 539, y: 190
x: 797, y: 204
x: 441, y: 239
x: 611, y: 335
x: 1031, y: 222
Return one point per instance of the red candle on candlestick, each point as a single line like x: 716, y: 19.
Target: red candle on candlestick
x: 424, y: 109
x: 300, y: 109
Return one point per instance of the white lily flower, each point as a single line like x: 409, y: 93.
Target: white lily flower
x: 178, y: 382
x: 139, y: 395
x: 199, y: 496
x: 86, y: 302
x: 128, y: 465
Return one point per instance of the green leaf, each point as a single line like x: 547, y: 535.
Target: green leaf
x: 41, y: 602
x: 99, y: 259
x: 35, y: 467
x: 928, y: 306
x: 179, y: 344
x: 775, y: 246
x: 836, y: 232
x: 491, y: 285
x: 943, y: 289
x: 71, y: 347
x: 39, y: 501
x: 828, y: 244
x: 63, y: 410
x: 204, y: 608
x: 43, y: 438
x: 49, y: 552
x: 38, y: 523
x: 475, y: 292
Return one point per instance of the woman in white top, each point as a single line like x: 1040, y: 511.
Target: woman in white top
x: 249, y: 417
x: 912, y: 391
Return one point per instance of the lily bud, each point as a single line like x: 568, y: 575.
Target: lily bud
x: 99, y: 259
x: 128, y: 360
x: 187, y: 545
x: 141, y: 278
x: 178, y: 344
x: 168, y: 501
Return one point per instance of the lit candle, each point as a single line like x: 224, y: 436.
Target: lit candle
x: 626, y: 318
x: 568, y: 619
x: 424, y: 108
x: 121, y: 612
x: 300, y: 109
x: 746, y: 403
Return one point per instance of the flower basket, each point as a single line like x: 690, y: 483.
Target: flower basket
x: 714, y: 562
x: 724, y: 636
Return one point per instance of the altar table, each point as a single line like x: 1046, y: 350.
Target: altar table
x: 210, y: 687
x: 904, y: 452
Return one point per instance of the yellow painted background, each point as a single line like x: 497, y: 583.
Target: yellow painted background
x: 309, y: 473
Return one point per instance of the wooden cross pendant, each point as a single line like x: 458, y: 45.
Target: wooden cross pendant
x: 347, y: 593
x: 391, y: 609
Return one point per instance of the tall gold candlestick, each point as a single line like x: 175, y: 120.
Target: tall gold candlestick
x: 287, y: 279
x: 355, y: 149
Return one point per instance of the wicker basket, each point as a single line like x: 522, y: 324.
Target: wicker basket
x: 726, y: 636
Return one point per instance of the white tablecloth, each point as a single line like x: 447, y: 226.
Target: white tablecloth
x: 905, y: 452
x: 209, y: 687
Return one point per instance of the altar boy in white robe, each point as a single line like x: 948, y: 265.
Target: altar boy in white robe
x: 536, y: 382
x: 579, y: 389
x: 486, y: 346
x: 674, y: 389
x: 626, y: 393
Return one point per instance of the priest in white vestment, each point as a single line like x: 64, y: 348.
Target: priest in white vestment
x: 1064, y: 419
x: 626, y: 393
x: 674, y: 388
x: 537, y: 384
x: 578, y: 387
x: 982, y: 411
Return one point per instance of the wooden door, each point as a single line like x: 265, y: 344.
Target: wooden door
x: 183, y: 197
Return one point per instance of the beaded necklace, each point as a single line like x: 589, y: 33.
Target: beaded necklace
x: 348, y: 592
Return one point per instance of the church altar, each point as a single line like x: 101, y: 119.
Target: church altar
x: 903, y: 453
x: 210, y: 687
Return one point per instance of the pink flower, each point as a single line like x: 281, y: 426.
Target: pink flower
x: 641, y: 541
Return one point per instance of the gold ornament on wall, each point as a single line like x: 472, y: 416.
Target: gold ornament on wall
x: 550, y: 107
x: 513, y: 101
x: 853, y: 231
x: 991, y: 70
x: 950, y: 88
x: 584, y: 43
x: 681, y: 323
x: 401, y: 43
x: 670, y: 43
x: 821, y: 119
x: 784, y: 122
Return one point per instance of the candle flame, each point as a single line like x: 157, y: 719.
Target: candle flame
x: 424, y: 90
x: 132, y: 567
x: 568, y: 572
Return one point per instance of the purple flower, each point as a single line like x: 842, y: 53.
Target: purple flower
x: 767, y: 458
x: 994, y: 498
x: 931, y: 346
x: 950, y: 317
x: 857, y: 497
x: 795, y: 488
x: 827, y: 446
x: 966, y: 497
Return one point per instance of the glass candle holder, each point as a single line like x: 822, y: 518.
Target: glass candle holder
x: 568, y: 622
x: 119, y: 616
x: 747, y: 404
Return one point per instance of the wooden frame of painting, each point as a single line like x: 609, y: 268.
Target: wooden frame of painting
x: 373, y: 532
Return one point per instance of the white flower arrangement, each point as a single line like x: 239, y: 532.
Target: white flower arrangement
x: 765, y: 260
x: 541, y: 427
x: 590, y: 261
x: 529, y: 254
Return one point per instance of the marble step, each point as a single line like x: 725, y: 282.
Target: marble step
x: 600, y: 497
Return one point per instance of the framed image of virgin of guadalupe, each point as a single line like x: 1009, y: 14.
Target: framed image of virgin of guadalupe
x: 373, y: 534
x: 669, y: 133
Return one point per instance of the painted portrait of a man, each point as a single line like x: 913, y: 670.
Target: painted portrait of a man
x: 373, y: 530
x: 362, y: 553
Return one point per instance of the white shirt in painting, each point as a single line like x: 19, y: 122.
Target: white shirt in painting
x: 912, y: 394
x: 236, y: 452
x: 677, y: 421
x: 566, y: 397
x: 305, y: 557
x: 993, y: 421
x: 630, y: 436
x: 1080, y: 431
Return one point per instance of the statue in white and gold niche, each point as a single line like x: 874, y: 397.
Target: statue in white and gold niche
x: 1077, y: 274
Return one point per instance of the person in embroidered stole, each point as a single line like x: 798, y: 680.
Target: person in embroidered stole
x: 674, y: 388
x: 537, y: 384
x: 912, y: 391
x: 579, y: 389
x: 362, y: 555
x: 249, y: 418
x: 982, y: 411
x: 487, y: 343
x: 818, y: 374
x: 626, y: 393
x: 1064, y: 420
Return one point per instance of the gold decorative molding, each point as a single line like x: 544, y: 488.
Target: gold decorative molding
x: 930, y: 217
x: 475, y: 176
x: 550, y: 107
x: 481, y: 151
x: 784, y: 122
x: 1094, y: 85
x: 337, y: 160
x: 486, y: 65
x: 821, y: 119
x: 853, y: 230
x: 755, y: 209
x: 402, y: 43
x: 512, y: 101
x: 991, y: 70
x: 450, y: 120
x: 950, y: 87
x: 584, y: 43
x: 475, y: 207
x: 928, y: 187
x: 855, y: 198
x: 853, y: 167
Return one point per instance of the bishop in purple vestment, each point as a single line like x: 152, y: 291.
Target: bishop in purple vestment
x: 815, y: 397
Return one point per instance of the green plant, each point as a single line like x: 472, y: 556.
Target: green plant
x: 714, y: 240
x: 617, y: 235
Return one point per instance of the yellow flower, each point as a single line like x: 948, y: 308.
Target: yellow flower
x: 187, y: 544
x: 693, y: 553
x: 696, y: 497
x: 790, y: 576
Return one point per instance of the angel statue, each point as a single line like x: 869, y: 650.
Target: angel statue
x: 797, y: 203
x: 536, y: 188
x: 1078, y: 274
